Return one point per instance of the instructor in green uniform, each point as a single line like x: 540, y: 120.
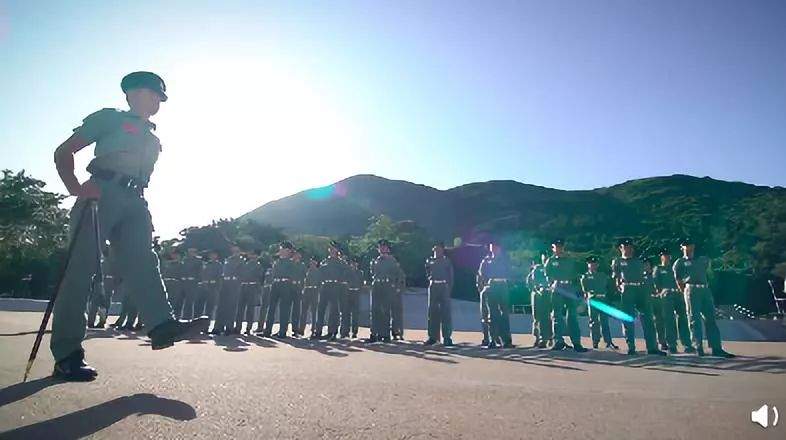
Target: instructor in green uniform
x: 542, y: 327
x: 595, y: 285
x: 125, y: 152
x: 493, y: 275
x: 673, y: 301
x: 562, y: 272
x: 690, y: 272
x: 628, y: 273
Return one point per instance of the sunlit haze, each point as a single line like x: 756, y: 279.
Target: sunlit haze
x: 271, y: 98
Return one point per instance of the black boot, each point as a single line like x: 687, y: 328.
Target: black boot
x: 74, y: 369
x: 559, y: 345
x: 165, y: 335
x: 430, y: 341
x: 722, y: 353
x: 656, y: 352
x: 447, y: 342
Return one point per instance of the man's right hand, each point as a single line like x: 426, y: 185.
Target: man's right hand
x: 89, y: 190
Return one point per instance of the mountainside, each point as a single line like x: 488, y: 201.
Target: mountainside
x: 732, y: 218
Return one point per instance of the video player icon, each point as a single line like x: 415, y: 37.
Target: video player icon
x: 762, y: 416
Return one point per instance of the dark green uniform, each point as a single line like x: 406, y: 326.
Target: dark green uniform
x: 350, y: 306
x: 698, y: 298
x: 494, y: 274
x: 385, y: 273
x: 542, y: 327
x: 629, y: 273
x: 190, y: 272
x: 126, y: 151
x: 209, y: 283
x: 308, y: 305
x: 595, y: 286
x: 440, y: 286
x: 170, y: 271
x: 229, y: 295
x: 397, y: 306
x: 562, y: 273
x: 285, y: 276
x: 252, y: 274
x: 298, y: 298
x: 265, y: 303
x: 333, y: 281
x: 673, y: 303
x: 656, y: 304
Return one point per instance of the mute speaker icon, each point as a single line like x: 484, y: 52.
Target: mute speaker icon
x: 762, y: 416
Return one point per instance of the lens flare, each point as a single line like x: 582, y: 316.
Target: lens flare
x: 595, y: 304
x: 609, y: 310
x: 327, y: 192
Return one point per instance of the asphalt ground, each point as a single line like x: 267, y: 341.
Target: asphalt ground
x: 250, y: 387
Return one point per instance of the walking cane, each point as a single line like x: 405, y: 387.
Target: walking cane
x: 50, y: 306
x: 97, y: 283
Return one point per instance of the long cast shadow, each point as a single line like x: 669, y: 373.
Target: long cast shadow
x: 31, y: 332
x: 88, y: 421
x: 23, y: 390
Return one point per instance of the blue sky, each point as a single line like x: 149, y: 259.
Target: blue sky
x: 269, y: 98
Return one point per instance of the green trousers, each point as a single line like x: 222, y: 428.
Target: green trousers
x: 636, y: 300
x: 308, y: 306
x: 702, y: 306
x: 599, y: 323
x: 440, y: 322
x: 566, y: 315
x: 495, y: 297
x: 542, y: 328
x: 675, y: 318
x: 381, y: 297
x: 125, y: 221
x: 658, y: 318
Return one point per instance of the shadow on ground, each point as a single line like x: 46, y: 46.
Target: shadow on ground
x: 88, y: 421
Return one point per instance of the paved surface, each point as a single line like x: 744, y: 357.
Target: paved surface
x: 259, y: 388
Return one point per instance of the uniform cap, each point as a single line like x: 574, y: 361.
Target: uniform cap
x: 625, y: 242
x: 664, y: 251
x: 558, y: 241
x: 440, y: 244
x: 286, y: 245
x: 383, y: 242
x: 687, y: 241
x: 592, y: 259
x: 144, y: 80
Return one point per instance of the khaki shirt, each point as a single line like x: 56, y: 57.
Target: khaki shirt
x: 629, y: 270
x: 692, y: 270
x: 124, y: 142
x: 333, y: 269
x: 385, y: 268
x: 561, y: 268
x: 211, y: 271
x: 595, y: 283
x: 439, y: 269
x: 663, y: 276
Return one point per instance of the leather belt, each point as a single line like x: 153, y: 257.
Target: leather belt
x: 632, y: 284
x: 354, y: 288
x: 563, y: 282
x: 119, y: 179
x: 281, y: 280
x: 230, y: 278
x: 310, y: 286
x: 701, y: 286
x: 439, y: 281
x: 383, y: 280
x: 188, y: 278
x: 249, y: 283
x: 498, y: 280
x: 209, y: 282
x: 170, y: 279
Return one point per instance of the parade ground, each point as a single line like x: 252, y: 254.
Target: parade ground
x: 250, y: 387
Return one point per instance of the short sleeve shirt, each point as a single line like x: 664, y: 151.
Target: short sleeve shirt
x: 692, y: 270
x: 124, y: 142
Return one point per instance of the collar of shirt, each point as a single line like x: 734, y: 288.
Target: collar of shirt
x: 135, y: 116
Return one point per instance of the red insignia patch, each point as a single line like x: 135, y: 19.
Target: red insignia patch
x: 130, y: 128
